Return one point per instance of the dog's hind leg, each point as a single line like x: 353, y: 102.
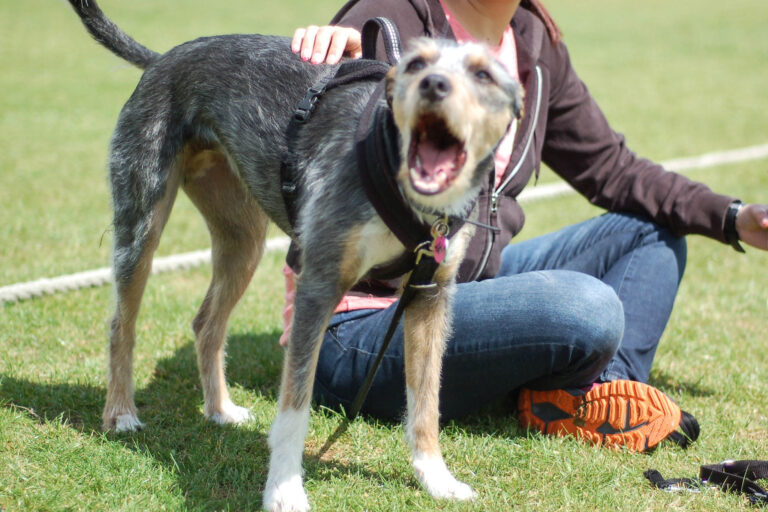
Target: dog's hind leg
x: 238, y: 228
x: 320, y: 287
x: 141, y: 210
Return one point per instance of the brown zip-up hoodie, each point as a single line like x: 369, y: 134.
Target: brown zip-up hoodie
x: 563, y: 127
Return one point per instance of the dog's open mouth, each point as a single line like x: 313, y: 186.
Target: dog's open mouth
x: 435, y: 157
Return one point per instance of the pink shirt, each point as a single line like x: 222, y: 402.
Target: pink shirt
x: 506, y: 53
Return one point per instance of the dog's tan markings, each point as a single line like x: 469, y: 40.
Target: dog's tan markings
x: 237, y: 227
x: 119, y: 406
x: 477, y: 61
x: 349, y: 269
x: 389, y: 83
x: 427, y: 49
x: 427, y: 326
x: 298, y: 377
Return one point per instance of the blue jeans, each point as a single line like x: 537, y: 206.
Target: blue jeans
x: 586, y: 303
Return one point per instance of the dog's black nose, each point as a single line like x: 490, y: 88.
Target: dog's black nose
x: 435, y: 87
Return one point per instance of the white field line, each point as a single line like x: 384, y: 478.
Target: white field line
x: 102, y: 276
x: 677, y: 165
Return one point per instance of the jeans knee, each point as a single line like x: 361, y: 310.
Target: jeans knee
x: 600, y: 318
x: 679, y: 248
x: 674, y: 248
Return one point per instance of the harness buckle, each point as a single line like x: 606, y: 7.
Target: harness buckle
x: 307, y: 104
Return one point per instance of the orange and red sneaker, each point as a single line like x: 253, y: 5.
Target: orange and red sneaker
x: 620, y: 413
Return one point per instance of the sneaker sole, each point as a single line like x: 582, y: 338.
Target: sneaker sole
x: 615, y: 414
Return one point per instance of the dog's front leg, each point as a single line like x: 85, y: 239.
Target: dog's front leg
x: 318, y: 291
x: 427, y: 325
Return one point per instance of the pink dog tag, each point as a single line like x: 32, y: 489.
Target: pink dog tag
x: 439, y: 248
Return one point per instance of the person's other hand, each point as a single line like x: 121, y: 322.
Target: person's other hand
x: 326, y: 44
x: 752, y: 225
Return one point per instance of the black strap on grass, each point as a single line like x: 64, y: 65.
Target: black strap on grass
x: 730, y: 475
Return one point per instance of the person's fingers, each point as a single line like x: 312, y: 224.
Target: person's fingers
x: 338, y: 46
x: 308, y: 42
x: 752, y: 225
x: 298, y: 37
x: 762, y: 216
x: 354, y: 46
x: 322, y: 42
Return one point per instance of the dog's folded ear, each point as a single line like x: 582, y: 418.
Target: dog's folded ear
x: 514, y: 90
x: 517, y: 94
x: 389, y: 83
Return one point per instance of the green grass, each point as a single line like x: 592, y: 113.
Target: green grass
x: 678, y: 79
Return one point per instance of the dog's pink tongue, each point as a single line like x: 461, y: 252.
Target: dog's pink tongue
x: 438, y: 163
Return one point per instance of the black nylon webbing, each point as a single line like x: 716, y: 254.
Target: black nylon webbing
x: 733, y: 476
x: 738, y: 476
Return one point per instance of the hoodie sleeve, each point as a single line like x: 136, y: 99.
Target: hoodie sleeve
x: 581, y: 147
x: 411, y: 17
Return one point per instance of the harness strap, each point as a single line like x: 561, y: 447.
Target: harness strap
x: 289, y: 163
x: 351, y: 71
x: 346, y: 73
x: 390, y: 35
x: 378, y: 159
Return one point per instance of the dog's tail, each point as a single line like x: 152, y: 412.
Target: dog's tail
x: 109, y: 35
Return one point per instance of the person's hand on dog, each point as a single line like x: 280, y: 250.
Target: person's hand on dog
x: 752, y: 225
x: 326, y: 44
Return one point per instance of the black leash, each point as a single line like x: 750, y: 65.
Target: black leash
x: 730, y: 475
x: 429, y: 254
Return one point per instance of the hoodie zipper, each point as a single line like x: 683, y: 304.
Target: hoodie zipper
x: 497, y: 190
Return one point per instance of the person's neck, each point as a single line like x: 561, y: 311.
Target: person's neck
x: 485, y: 20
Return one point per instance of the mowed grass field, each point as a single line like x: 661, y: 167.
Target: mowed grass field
x: 677, y: 78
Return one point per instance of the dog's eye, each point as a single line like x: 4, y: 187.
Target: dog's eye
x: 415, y: 65
x: 483, y: 76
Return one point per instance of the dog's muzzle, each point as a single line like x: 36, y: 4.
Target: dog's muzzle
x: 436, y: 155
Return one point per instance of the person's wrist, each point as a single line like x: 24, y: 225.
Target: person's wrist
x: 729, y: 227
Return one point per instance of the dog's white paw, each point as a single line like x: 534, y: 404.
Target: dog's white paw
x: 286, y: 496
x: 438, y: 481
x: 128, y: 423
x: 230, y: 414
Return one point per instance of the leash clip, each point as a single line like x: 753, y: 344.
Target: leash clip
x: 423, y: 249
x: 436, y: 248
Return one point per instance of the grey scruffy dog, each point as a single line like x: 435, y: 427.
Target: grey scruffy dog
x: 210, y: 116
